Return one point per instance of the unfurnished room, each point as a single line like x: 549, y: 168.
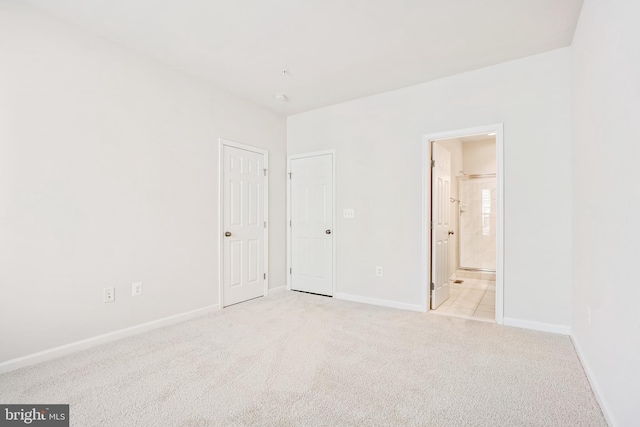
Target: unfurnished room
x: 319, y: 213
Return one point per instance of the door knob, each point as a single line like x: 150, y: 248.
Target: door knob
x: 450, y: 232
x: 228, y: 234
x: 328, y: 231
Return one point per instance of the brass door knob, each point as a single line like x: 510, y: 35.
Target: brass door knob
x: 228, y: 234
x: 328, y: 231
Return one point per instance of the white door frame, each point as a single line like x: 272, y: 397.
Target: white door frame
x: 426, y: 209
x: 335, y: 218
x: 221, y: 144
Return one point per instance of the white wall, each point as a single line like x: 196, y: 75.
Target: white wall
x: 379, y: 158
x: 479, y: 157
x: 606, y: 198
x: 108, y: 176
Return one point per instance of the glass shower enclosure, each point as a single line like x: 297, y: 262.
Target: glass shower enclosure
x: 477, y: 222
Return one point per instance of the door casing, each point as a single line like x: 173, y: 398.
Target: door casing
x: 335, y: 225
x: 221, y: 144
x: 498, y: 128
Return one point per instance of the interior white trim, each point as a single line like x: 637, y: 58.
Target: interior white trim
x: 498, y: 128
x: 537, y: 326
x: 221, y: 143
x: 595, y: 386
x: 335, y: 210
x: 63, y: 350
x: 380, y: 302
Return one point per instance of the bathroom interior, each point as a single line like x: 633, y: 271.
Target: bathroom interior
x: 472, y: 250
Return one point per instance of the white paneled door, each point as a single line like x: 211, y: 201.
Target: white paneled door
x: 311, y: 205
x: 244, y: 225
x: 440, y: 220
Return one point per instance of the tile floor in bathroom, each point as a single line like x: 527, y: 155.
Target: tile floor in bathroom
x: 473, y: 298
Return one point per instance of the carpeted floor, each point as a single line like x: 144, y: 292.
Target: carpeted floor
x: 296, y: 359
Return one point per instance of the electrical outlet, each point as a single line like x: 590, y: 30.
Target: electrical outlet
x: 588, y: 315
x: 136, y: 289
x: 379, y: 271
x: 109, y: 295
x: 348, y: 213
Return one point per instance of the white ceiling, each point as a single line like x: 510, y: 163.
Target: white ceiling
x: 333, y: 50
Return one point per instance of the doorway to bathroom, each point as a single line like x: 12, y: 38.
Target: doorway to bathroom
x: 463, y: 210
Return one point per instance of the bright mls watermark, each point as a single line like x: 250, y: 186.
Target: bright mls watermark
x: 34, y: 415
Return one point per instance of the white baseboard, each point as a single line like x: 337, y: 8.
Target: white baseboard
x: 537, y: 326
x: 63, y: 350
x: 595, y: 386
x: 276, y: 290
x: 381, y: 302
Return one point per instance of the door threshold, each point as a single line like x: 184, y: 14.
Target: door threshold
x: 462, y: 316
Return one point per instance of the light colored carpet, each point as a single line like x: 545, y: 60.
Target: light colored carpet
x: 296, y: 359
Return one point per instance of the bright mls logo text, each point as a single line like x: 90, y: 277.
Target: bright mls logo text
x: 39, y: 415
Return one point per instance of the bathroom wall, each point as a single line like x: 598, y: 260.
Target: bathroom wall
x: 479, y: 157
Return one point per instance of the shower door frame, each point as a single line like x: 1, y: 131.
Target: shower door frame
x: 498, y: 129
x: 459, y: 258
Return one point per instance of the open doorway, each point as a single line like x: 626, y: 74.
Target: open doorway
x: 463, y: 210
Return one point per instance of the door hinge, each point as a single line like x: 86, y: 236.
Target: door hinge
x: 265, y: 172
x: 431, y: 225
x: 289, y: 223
x: 289, y: 271
x: 433, y: 163
x: 289, y: 175
x: 265, y: 224
x: 265, y: 276
x: 433, y: 286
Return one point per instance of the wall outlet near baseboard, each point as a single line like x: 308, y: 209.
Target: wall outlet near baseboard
x: 136, y: 289
x: 109, y: 295
x: 379, y: 271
